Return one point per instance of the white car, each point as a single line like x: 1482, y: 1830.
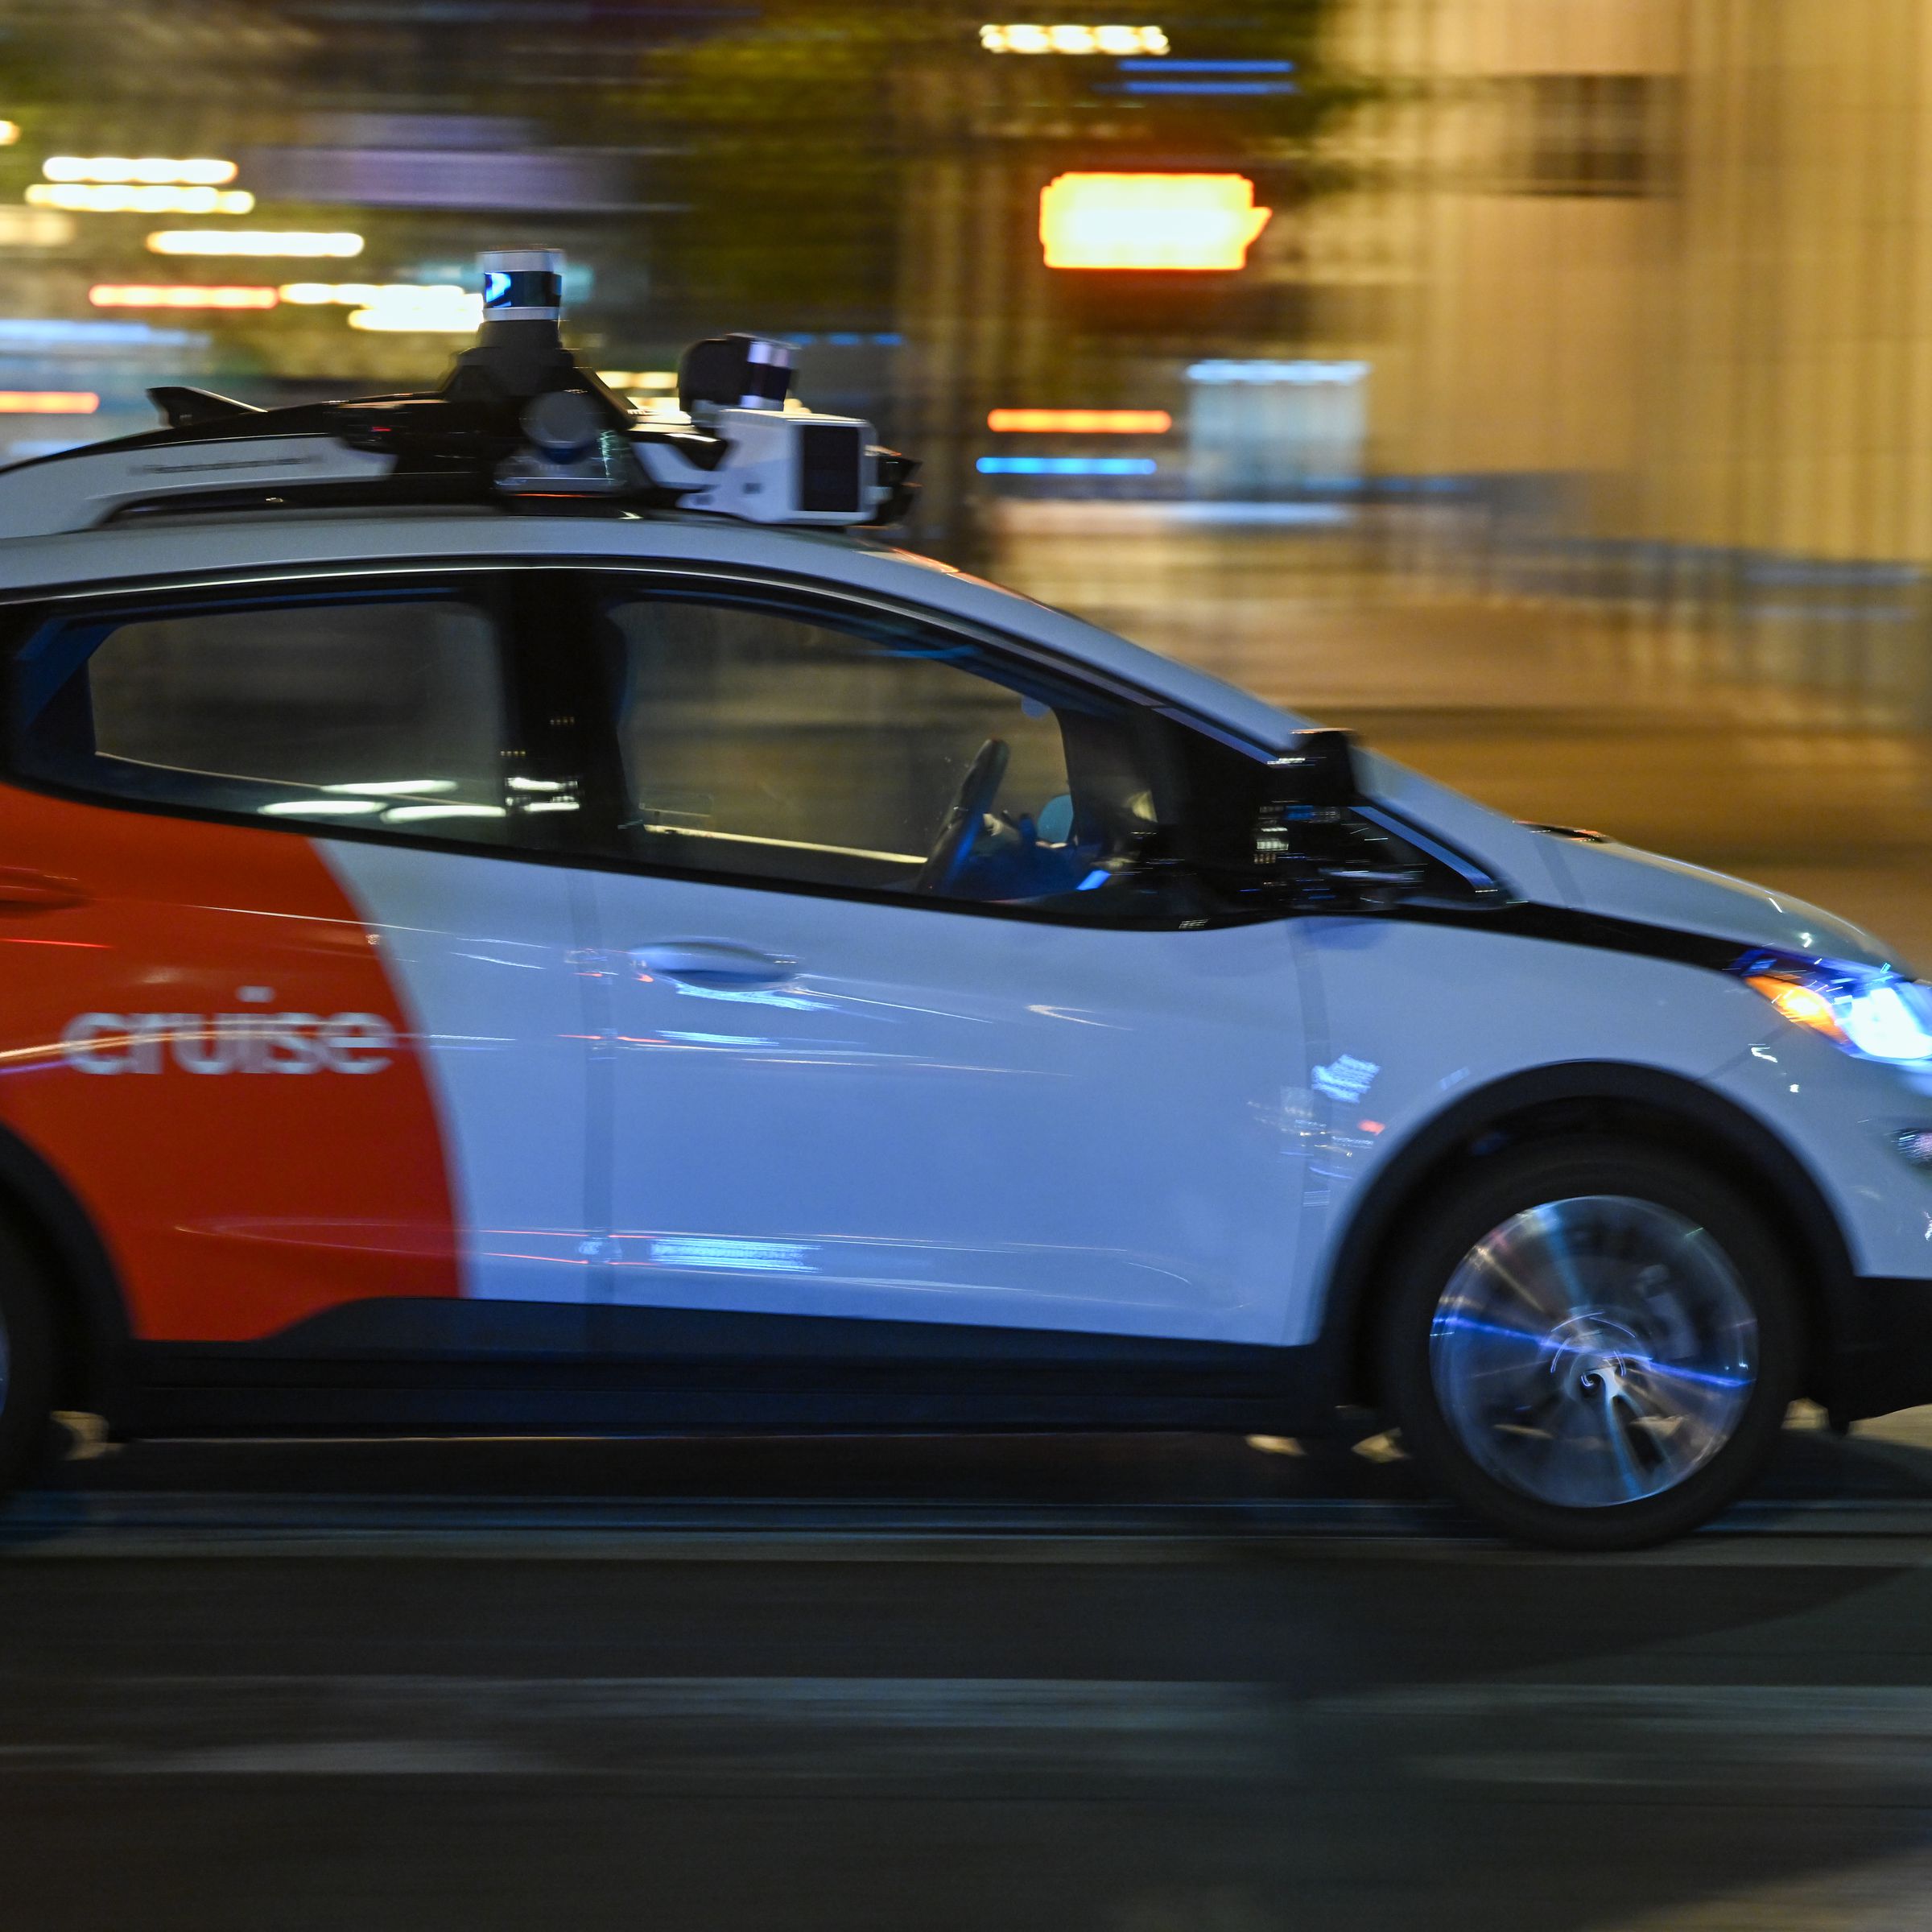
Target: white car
x: 481, y: 953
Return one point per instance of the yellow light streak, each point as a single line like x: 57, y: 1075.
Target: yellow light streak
x: 147, y: 171
x: 179, y: 294
x: 48, y: 402
x: 254, y: 241
x: 440, y: 308
x: 1081, y: 422
x: 80, y: 198
x: 356, y: 294
x: 1017, y: 38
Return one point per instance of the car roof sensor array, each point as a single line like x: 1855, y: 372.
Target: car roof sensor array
x: 517, y: 420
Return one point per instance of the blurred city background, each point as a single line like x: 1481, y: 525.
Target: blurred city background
x: 1563, y: 423
x: 1543, y: 388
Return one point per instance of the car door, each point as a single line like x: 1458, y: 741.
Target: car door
x: 908, y: 1023
x: 293, y: 999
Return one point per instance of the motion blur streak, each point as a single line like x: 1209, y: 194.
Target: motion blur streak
x: 83, y: 198
x: 1079, y: 422
x: 185, y: 295
x: 115, y: 168
x: 1067, y: 466
x: 444, y: 311
x: 1073, y: 39
x: 253, y: 241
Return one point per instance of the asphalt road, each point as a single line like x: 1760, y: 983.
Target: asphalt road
x: 1135, y: 1685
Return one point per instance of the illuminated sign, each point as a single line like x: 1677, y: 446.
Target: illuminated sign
x: 1149, y: 221
x: 148, y: 171
x: 80, y: 198
x: 179, y: 294
x: 252, y: 241
x: 1081, y: 422
x: 48, y: 402
x: 1015, y: 39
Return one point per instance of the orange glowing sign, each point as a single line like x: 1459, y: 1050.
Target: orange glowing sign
x: 48, y: 402
x: 1171, y: 221
x: 178, y: 295
x: 1083, y: 422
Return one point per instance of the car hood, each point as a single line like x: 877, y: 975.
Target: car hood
x: 1627, y: 884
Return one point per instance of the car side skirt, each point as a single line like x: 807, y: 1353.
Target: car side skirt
x: 400, y: 1366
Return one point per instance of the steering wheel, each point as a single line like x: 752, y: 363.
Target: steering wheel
x: 970, y: 805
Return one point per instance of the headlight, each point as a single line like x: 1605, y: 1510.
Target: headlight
x: 1868, y: 1010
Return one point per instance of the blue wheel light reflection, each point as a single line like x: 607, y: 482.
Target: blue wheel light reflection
x: 1594, y: 1350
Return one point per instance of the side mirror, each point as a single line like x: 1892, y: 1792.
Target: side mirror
x: 1310, y: 837
x: 1319, y: 770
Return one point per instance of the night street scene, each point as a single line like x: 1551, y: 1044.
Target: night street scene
x: 963, y: 974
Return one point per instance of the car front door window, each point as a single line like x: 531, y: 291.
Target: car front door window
x: 864, y: 752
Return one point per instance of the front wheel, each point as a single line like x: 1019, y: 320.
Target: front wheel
x: 1592, y: 1344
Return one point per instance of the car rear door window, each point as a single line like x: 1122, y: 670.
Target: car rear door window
x: 383, y: 714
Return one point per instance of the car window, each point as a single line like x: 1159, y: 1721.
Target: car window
x: 826, y: 748
x: 375, y: 713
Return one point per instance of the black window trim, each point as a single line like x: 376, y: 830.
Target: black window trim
x: 1108, y: 684
x: 825, y: 601
x: 592, y: 756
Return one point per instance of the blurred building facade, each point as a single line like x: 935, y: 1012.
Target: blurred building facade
x: 1647, y: 289
x: 1626, y: 301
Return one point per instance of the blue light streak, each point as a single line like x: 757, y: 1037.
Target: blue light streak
x: 1203, y: 87
x: 37, y: 330
x: 1222, y: 369
x: 1466, y: 1324
x: 1066, y: 466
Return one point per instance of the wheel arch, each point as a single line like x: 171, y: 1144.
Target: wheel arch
x: 1592, y: 1097
x: 89, y: 1311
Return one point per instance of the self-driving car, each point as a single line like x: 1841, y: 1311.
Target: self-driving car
x: 516, y: 915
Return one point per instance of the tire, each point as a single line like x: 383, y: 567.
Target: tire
x: 1590, y: 1343
x: 27, y: 1364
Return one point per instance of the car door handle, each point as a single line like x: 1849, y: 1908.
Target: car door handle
x: 23, y: 890
x: 710, y: 960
